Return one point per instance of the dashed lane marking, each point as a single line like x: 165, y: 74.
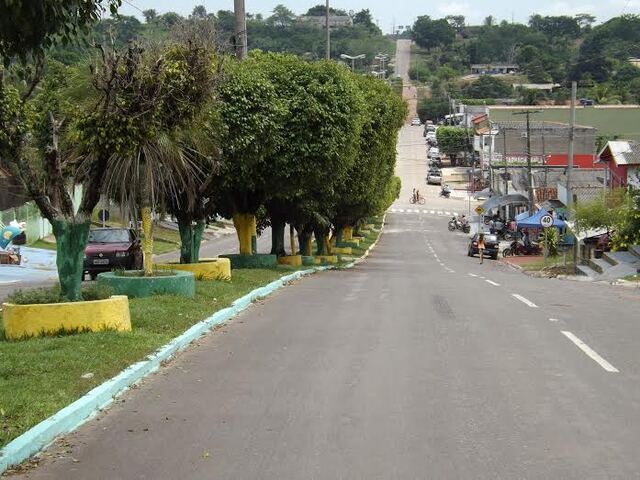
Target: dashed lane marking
x: 492, y: 282
x: 590, y: 352
x: 524, y: 300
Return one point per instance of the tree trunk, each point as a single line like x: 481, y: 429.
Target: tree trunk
x: 339, y: 236
x: 304, y: 241
x: 71, y: 241
x: 245, y: 224
x: 277, y: 236
x: 347, y: 233
x: 147, y: 244
x: 190, y: 240
x: 321, y: 244
x: 292, y: 239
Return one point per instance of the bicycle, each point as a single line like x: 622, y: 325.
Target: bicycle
x: 421, y: 200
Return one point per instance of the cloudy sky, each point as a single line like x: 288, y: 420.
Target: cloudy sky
x: 403, y: 12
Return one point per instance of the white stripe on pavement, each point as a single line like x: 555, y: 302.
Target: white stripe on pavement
x: 432, y: 212
x: 590, y: 352
x: 492, y: 283
x: 401, y: 210
x: 524, y: 300
x: 447, y: 213
x: 473, y: 275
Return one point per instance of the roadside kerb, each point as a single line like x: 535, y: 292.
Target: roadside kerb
x: 86, y: 407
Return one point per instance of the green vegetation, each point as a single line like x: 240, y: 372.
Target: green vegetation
x: 548, y: 49
x: 54, y: 295
x: 453, y: 142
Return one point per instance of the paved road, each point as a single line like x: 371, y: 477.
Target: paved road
x: 403, y: 61
x: 420, y: 363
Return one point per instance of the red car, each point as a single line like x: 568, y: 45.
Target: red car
x: 112, y: 248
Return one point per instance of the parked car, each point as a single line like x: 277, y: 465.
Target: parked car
x: 415, y: 122
x: 491, y: 244
x: 434, y: 177
x: 434, y: 153
x: 112, y: 248
x: 586, y: 102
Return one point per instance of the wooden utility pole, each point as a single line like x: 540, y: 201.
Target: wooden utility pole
x: 240, y: 29
x: 529, y: 173
x: 326, y: 24
x: 572, y: 125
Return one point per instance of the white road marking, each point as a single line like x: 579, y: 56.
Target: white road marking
x: 401, y: 210
x: 432, y: 212
x: 492, y: 283
x: 440, y: 213
x: 473, y: 275
x: 590, y: 352
x: 424, y: 211
x: 554, y: 320
x: 455, y: 214
x: 524, y: 300
x: 416, y: 211
x: 447, y: 213
x: 393, y: 210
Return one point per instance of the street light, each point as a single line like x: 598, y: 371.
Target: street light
x: 382, y: 58
x: 344, y: 56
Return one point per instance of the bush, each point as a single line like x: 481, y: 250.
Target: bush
x: 419, y: 72
x: 40, y: 296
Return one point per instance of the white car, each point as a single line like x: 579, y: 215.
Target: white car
x: 433, y: 153
x: 415, y: 122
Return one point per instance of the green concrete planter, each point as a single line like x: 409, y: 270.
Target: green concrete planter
x: 258, y: 260
x: 176, y: 283
x: 307, y: 260
x: 348, y: 244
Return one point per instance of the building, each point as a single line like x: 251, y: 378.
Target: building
x: 495, y: 69
x: 335, y: 21
x: 506, y: 142
x: 622, y: 161
x: 544, y: 87
x: 587, y: 185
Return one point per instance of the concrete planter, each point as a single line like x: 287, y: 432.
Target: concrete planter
x: 24, y: 321
x: 343, y: 250
x: 308, y: 260
x: 258, y: 260
x: 293, y: 260
x: 178, y: 283
x: 325, y: 259
x: 348, y: 243
x: 206, y: 269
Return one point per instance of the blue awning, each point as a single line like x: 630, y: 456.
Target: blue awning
x: 534, y: 220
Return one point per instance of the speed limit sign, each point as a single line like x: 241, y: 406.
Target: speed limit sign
x: 546, y: 221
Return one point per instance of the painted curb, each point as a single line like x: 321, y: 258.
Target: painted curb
x: 86, y: 407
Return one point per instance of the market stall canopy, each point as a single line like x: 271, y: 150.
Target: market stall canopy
x: 502, y: 200
x: 534, y: 220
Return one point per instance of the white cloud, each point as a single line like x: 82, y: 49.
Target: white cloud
x: 453, y: 8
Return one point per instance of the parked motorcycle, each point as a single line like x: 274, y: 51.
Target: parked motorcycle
x: 456, y: 224
x: 518, y: 248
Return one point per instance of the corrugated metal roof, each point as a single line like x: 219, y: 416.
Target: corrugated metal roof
x: 624, y: 152
x: 522, y: 125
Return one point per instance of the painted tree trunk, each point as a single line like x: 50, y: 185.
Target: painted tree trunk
x: 254, y: 235
x: 277, y: 236
x: 347, y: 233
x: 327, y: 243
x: 245, y: 224
x: 147, y: 243
x: 190, y: 241
x: 292, y: 240
x: 71, y: 241
x: 339, y: 235
x: 321, y: 243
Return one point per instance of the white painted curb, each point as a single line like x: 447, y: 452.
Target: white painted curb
x: 86, y: 407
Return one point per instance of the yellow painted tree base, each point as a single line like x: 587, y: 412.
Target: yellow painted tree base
x: 293, y: 260
x: 23, y: 321
x: 343, y: 250
x: 324, y: 259
x: 205, y: 269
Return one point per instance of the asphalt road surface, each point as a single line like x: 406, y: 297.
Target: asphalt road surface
x: 419, y: 363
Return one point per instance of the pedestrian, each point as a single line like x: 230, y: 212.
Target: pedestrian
x: 492, y: 226
x: 413, y: 196
x: 481, y: 247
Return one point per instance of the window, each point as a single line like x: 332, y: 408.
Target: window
x: 109, y: 236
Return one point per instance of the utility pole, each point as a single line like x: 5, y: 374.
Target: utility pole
x: 326, y: 24
x: 529, y: 173
x: 241, y: 29
x: 504, y: 158
x: 572, y: 125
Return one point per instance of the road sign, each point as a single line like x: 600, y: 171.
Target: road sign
x: 103, y: 215
x: 546, y: 221
x: 479, y: 210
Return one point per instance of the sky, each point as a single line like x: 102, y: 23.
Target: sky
x: 404, y: 12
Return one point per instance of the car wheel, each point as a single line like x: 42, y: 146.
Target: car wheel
x: 506, y: 252
x: 93, y: 276
x: 470, y: 253
x: 494, y: 256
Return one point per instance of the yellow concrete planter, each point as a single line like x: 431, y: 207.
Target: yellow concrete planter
x: 325, y: 259
x: 23, y: 321
x: 206, y: 269
x: 342, y: 250
x: 293, y: 260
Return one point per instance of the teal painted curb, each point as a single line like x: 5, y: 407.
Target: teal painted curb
x: 86, y: 407
x: 178, y: 283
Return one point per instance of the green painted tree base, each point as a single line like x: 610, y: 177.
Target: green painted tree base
x: 307, y: 260
x: 347, y: 244
x: 178, y: 283
x: 259, y: 260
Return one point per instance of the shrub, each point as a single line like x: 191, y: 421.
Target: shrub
x: 39, y: 296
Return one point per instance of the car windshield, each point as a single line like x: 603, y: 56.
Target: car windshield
x: 109, y: 236
x: 490, y: 238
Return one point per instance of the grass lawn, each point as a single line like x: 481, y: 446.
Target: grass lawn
x: 42, y: 244
x: 608, y: 121
x: 538, y: 263
x: 632, y: 278
x: 40, y: 376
